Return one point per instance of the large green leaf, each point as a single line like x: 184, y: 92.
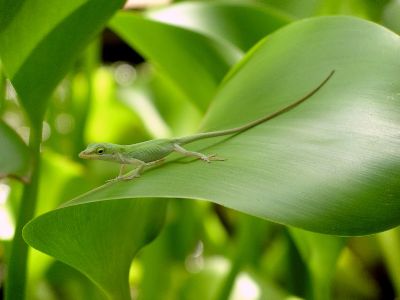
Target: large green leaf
x: 331, y: 165
x: 14, y: 154
x: 36, y: 59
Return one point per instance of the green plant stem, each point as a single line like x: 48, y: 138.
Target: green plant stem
x: 2, y: 89
x: 238, y: 260
x: 321, y: 286
x: 16, y: 270
x: 229, y: 280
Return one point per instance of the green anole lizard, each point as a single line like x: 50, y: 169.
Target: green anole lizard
x: 153, y: 152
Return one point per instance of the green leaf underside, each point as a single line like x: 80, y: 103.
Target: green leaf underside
x: 36, y: 60
x: 330, y: 165
x: 14, y: 154
x: 85, y: 237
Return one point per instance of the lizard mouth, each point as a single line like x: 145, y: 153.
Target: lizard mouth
x: 85, y: 155
x: 91, y: 155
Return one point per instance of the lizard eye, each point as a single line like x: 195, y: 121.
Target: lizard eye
x: 100, y: 151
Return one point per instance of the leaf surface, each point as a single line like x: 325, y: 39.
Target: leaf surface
x: 330, y: 165
x: 99, y: 239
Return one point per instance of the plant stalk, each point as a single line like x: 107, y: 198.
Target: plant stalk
x: 17, y: 264
x: 2, y: 89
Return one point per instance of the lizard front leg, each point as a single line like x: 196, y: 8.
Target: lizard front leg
x: 121, y: 170
x: 137, y: 171
x: 140, y: 169
x: 130, y: 175
x: 204, y: 157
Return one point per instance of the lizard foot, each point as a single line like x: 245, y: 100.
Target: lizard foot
x: 118, y: 178
x: 130, y: 177
x: 211, y: 157
x: 121, y: 178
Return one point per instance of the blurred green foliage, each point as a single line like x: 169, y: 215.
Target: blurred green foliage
x: 201, y: 250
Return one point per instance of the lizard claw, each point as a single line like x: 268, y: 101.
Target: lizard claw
x: 130, y: 177
x: 210, y: 157
x: 113, y: 179
x: 121, y: 178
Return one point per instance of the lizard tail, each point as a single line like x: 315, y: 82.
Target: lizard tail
x: 199, y: 136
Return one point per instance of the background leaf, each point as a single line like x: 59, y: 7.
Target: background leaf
x: 166, y: 45
x: 319, y: 253
x: 168, y: 35
x: 50, y: 46
x: 242, y: 24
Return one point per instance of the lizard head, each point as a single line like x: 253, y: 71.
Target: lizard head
x: 101, y: 151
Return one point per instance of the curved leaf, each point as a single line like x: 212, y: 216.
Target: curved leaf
x: 194, y: 62
x: 36, y: 59
x: 242, y: 24
x: 331, y: 165
x: 14, y: 154
x: 99, y: 239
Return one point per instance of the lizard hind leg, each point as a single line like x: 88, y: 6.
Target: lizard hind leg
x: 203, y: 157
x: 136, y: 172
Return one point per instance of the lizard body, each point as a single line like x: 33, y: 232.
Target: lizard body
x: 153, y: 152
